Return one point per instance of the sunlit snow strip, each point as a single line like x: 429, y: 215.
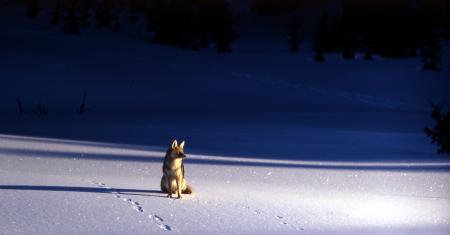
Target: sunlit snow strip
x: 11, y: 143
x: 328, y: 163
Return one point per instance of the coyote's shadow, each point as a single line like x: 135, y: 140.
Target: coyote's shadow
x: 443, y: 165
x: 119, y: 191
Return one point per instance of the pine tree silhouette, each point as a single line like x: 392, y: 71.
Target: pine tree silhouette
x: 167, y: 20
x: 431, y: 53
x: 56, y: 13
x: 440, y: 133
x: 33, y: 8
x: 103, y: 14
x: 134, y: 6
x: 294, y: 36
x: 447, y: 21
x: 222, y: 32
x: 204, y: 24
x: 349, y: 45
x: 72, y: 20
x: 116, y: 25
x: 133, y: 17
x: 84, y: 16
x: 320, y: 42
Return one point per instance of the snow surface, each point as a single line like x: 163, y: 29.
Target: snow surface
x: 276, y: 143
x: 75, y: 187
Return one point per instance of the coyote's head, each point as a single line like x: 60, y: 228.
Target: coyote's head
x: 176, y: 150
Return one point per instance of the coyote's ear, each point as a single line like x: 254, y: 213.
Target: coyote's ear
x: 181, y: 146
x: 174, y: 144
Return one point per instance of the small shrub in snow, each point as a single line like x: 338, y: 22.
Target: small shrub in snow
x: 116, y: 25
x: 318, y: 57
x: 440, y: 133
x: 368, y: 55
x: 40, y: 109
x: 19, y: 106
x: 83, y: 108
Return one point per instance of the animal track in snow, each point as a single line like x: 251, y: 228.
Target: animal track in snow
x: 138, y: 208
x: 159, y: 221
x: 261, y: 212
x: 135, y: 205
x: 158, y: 218
x: 257, y: 212
x: 280, y: 218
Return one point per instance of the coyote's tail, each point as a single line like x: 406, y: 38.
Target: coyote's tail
x: 163, y: 189
x: 188, y: 190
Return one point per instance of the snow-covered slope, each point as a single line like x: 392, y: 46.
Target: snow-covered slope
x: 142, y: 93
x: 55, y: 186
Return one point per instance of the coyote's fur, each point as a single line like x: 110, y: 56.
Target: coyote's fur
x: 173, y: 180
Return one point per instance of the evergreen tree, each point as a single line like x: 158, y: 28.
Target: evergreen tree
x: 133, y: 17
x: 334, y: 32
x: 367, y: 46
x: 84, y: 16
x: 320, y: 40
x: 349, y: 45
x: 103, y: 14
x: 204, y: 37
x: 294, y: 35
x: 135, y: 7
x: 33, y: 9
x: 222, y: 31
x: 440, y: 133
x: 72, y: 20
x: 116, y: 24
x: 56, y: 13
x: 447, y: 21
x: 168, y: 21
x: 431, y: 53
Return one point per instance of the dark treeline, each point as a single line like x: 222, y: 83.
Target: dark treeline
x: 389, y: 28
x: 394, y: 29
x: 191, y: 24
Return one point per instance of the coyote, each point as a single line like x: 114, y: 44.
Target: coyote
x: 173, y: 180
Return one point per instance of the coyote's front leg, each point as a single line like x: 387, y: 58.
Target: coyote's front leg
x: 169, y: 187
x: 179, y: 187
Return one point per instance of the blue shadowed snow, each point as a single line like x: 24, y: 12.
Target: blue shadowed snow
x: 252, y: 102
